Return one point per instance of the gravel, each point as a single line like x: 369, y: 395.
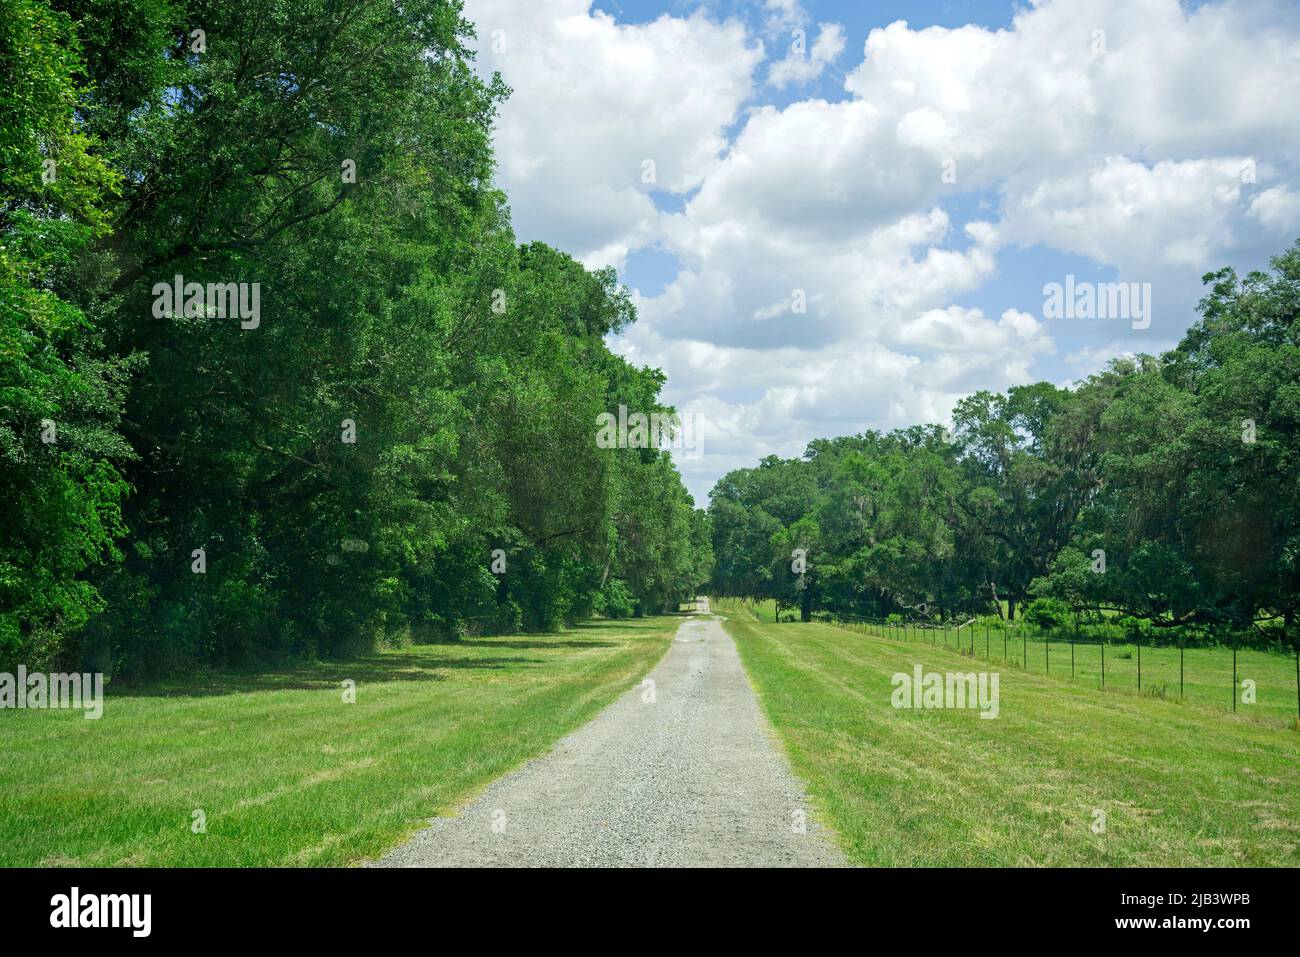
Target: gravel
x: 692, y: 779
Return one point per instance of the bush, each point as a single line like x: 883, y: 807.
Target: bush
x: 616, y: 600
x: 1047, y: 613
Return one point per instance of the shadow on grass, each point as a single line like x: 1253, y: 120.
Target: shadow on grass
x: 619, y: 624
x: 524, y: 644
x: 401, y: 665
x: 319, y: 676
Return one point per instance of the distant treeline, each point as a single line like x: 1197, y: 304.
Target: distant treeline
x: 1163, y: 492
x: 276, y: 379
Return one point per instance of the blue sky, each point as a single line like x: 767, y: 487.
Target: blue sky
x: 834, y: 220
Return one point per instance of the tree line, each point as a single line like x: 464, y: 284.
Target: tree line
x: 1162, y: 492
x: 276, y: 379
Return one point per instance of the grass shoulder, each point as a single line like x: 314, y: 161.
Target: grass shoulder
x: 1067, y: 775
x: 283, y: 771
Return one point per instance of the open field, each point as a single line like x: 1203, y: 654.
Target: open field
x: 1203, y: 677
x: 288, y: 774
x: 1179, y: 785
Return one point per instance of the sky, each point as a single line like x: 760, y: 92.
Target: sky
x: 842, y: 215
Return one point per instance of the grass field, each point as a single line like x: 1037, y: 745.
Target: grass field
x: 1179, y: 784
x: 1206, y: 678
x: 286, y: 772
x: 1203, y: 677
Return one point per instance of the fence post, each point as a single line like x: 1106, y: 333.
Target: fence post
x: 1103, y: 662
x: 1047, y: 655
x: 1234, y: 679
x: 1024, y: 648
x: 1180, y: 666
x: 1004, y: 642
x: 1073, y: 642
x: 987, y: 655
x: 1139, y: 644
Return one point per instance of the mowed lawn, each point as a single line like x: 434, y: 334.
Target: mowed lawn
x: 1206, y: 674
x: 285, y: 772
x: 1179, y: 784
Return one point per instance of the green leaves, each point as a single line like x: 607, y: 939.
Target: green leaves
x: 1165, y: 489
x: 418, y: 391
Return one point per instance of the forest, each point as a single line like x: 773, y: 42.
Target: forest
x: 1161, y: 495
x: 276, y: 379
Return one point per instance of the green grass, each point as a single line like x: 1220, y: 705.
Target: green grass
x: 1206, y: 671
x: 763, y: 609
x: 1180, y: 785
x: 287, y: 773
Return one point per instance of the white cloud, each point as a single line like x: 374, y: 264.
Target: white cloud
x: 783, y: 16
x: 1122, y: 212
x: 955, y: 330
x: 801, y: 65
x: 1277, y: 209
x: 592, y: 101
x: 1131, y: 156
x: 752, y: 402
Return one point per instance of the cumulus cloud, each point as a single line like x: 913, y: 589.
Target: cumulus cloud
x: 831, y: 275
x: 965, y: 331
x: 604, y: 114
x: 1277, y: 209
x: 782, y: 15
x: 1122, y: 212
x: 801, y: 65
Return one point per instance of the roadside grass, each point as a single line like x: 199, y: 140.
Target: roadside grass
x: 1179, y: 785
x: 763, y: 609
x: 286, y: 772
x: 1206, y: 672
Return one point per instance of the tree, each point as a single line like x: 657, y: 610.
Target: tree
x: 60, y: 396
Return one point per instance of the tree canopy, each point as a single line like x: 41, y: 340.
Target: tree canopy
x: 370, y: 413
x: 1164, y: 489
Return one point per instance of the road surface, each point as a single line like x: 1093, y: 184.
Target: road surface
x: 688, y: 776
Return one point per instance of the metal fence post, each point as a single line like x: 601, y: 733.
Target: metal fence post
x: 1139, y: 644
x: 1234, y: 679
x: 1180, y: 666
x: 1103, y: 662
x: 1072, y: 644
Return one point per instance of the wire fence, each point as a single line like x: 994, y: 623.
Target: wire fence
x: 1242, y: 680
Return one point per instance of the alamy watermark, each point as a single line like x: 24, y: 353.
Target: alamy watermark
x: 75, y: 909
x: 1098, y: 300
x: 930, y: 689
x: 214, y: 300
x: 658, y: 430
x: 54, y: 690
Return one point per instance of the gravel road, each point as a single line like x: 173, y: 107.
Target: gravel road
x: 690, y: 779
